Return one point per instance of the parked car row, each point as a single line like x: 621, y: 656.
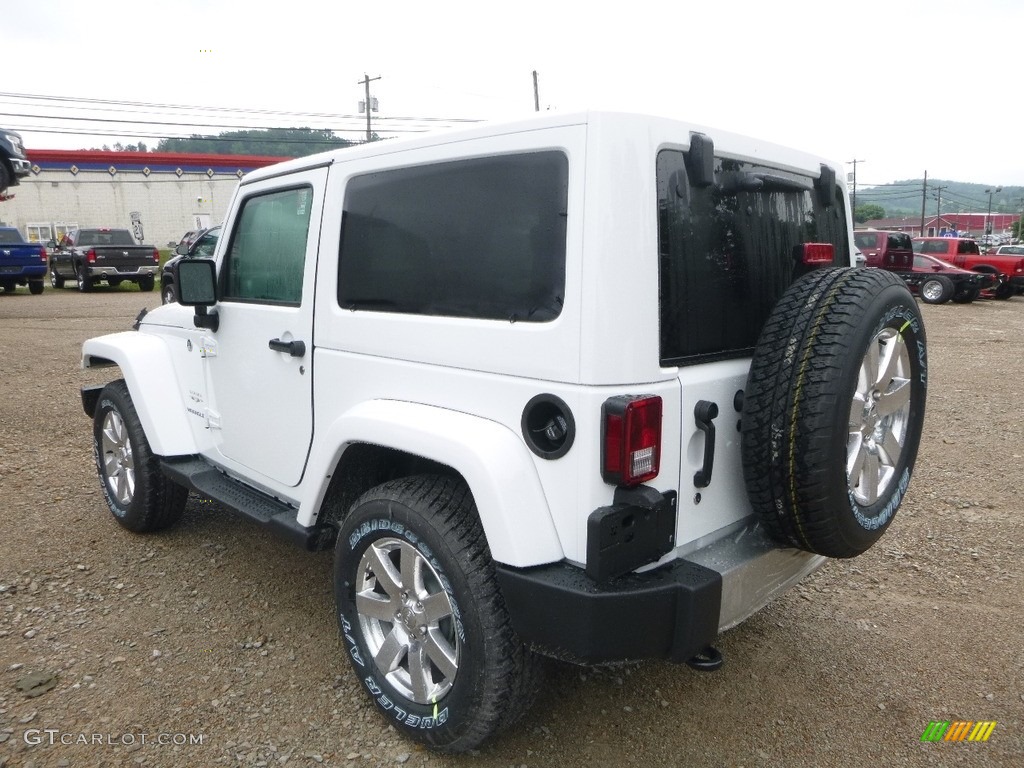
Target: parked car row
x: 941, y: 269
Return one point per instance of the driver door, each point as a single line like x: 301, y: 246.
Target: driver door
x: 260, y: 364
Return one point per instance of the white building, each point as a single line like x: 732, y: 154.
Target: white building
x: 169, y: 193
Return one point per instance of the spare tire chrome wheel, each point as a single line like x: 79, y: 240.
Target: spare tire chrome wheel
x: 824, y: 476
x: 879, y: 417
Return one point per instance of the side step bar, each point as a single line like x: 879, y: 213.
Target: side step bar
x: 200, y: 476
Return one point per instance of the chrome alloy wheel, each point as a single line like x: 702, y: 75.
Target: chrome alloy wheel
x: 879, y: 417
x: 118, y: 463
x: 407, y: 620
x: 931, y: 290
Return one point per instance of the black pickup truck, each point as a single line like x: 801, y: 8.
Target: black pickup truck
x: 91, y: 255
x: 21, y: 263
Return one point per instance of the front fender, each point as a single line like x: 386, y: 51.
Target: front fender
x: 145, y: 362
x: 491, y: 458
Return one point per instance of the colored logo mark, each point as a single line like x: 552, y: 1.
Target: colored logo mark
x: 959, y: 730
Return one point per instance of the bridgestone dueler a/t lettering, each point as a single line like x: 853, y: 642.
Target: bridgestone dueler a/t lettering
x: 833, y: 410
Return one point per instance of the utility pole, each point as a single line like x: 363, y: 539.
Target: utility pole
x: 988, y: 217
x: 370, y: 106
x: 924, y: 199
x: 938, y: 207
x: 854, y: 203
x: 536, y: 93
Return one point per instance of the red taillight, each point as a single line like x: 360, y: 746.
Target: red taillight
x: 818, y: 253
x: 156, y: 256
x: 91, y: 256
x: 632, y: 440
x: 42, y: 254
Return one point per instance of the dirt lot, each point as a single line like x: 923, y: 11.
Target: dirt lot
x: 216, y: 632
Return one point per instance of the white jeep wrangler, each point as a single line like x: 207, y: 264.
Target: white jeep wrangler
x: 593, y: 386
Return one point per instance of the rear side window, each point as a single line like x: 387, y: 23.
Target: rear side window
x: 728, y: 251
x: 865, y: 240
x: 481, y: 238
x: 933, y: 246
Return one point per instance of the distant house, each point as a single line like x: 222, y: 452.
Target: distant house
x: 964, y: 224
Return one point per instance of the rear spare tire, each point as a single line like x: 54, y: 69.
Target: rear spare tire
x: 833, y: 410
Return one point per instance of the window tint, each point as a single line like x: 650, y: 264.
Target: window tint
x: 10, y: 237
x: 113, y: 237
x: 967, y: 246
x: 865, y: 240
x: 899, y: 240
x: 728, y: 252
x: 482, y: 238
x: 268, y: 248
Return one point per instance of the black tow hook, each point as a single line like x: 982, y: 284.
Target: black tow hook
x: 707, y: 660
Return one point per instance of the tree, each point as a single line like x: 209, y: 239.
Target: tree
x: 271, y: 142
x: 867, y: 212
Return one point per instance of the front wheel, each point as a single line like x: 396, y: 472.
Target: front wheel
x: 422, y: 617
x: 56, y: 280
x: 137, y: 493
x: 168, y: 294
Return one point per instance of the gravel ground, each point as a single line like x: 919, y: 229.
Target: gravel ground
x: 219, y: 633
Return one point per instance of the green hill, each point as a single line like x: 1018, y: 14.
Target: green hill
x: 903, y: 198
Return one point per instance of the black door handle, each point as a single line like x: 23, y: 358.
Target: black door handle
x: 293, y: 348
x: 704, y: 413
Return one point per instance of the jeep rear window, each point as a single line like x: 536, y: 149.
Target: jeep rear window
x: 897, y: 240
x: 728, y: 252
x: 865, y: 239
x: 481, y: 238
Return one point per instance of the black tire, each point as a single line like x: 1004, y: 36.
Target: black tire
x: 138, y: 494
x: 56, y: 280
x: 5, y: 177
x: 9, y: 287
x: 35, y: 287
x: 147, y: 283
x: 85, y: 284
x: 167, y: 293
x: 937, y: 289
x: 966, y: 294
x: 799, y: 436
x: 1004, y: 291
x: 486, y: 677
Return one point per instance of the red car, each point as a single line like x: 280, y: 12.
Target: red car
x: 937, y: 281
x: 964, y: 252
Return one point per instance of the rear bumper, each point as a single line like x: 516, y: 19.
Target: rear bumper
x: 125, y: 272
x: 671, y: 612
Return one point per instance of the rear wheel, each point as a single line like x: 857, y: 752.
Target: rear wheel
x: 35, y: 287
x: 833, y: 410
x: 84, y: 281
x: 137, y: 493
x: 937, y: 289
x: 422, y: 617
x: 147, y: 283
x: 9, y: 287
x: 113, y: 282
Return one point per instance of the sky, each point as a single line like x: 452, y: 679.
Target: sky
x: 903, y: 86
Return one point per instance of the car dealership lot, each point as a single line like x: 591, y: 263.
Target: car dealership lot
x: 215, y: 630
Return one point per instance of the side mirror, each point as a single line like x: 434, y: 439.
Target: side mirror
x: 181, y: 249
x: 196, y: 280
x: 51, y: 244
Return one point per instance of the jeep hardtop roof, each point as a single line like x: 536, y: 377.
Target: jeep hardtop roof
x: 661, y: 131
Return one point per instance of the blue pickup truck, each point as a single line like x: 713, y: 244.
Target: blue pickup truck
x: 21, y: 263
